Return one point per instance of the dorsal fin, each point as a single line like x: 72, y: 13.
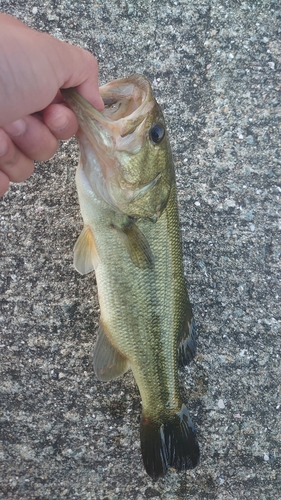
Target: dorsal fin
x: 187, y: 342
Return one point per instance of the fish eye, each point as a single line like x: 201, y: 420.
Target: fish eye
x: 156, y: 133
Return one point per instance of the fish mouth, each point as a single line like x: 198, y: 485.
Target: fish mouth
x: 127, y: 102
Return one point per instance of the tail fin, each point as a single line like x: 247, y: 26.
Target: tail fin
x: 171, y: 443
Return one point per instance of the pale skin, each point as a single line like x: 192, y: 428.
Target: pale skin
x: 33, y: 117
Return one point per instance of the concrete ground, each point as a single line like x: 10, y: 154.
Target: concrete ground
x: 215, y: 70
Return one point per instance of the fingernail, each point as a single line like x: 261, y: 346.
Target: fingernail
x: 59, y: 121
x: 100, y: 105
x: 3, y: 144
x: 16, y: 128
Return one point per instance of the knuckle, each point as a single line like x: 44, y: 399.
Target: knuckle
x: 10, y: 158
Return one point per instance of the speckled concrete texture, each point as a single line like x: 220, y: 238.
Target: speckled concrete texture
x: 215, y: 70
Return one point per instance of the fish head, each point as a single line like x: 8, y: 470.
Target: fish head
x: 125, y: 152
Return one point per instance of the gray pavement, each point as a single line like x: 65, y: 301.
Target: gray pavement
x: 215, y: 69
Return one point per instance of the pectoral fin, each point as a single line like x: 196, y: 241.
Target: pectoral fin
x: 137, y: 245
x: 108, y: 362
x: 85, y: 252
x: 139, y: 193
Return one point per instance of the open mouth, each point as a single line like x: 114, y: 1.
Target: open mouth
x: 119, y: 107
x: 126, y: 104
x: 121, y: 101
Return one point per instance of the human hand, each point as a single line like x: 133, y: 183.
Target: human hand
x: 33, y: 67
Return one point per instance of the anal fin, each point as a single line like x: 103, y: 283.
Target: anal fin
x: 85, y: 252
x: 108, y: 362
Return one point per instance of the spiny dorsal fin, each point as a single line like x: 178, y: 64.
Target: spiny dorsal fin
x: 108, y: 362
x: 137, y: 245
x: 86, y: 258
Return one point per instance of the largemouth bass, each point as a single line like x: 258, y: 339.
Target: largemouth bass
x: 127, y: 193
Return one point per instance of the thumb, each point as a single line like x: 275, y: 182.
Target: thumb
x: 80, y: 70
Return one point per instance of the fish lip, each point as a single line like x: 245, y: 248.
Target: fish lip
x: 72, y: 97
x: 112, y: 91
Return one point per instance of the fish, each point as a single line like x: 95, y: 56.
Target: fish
x: 131, y: 238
